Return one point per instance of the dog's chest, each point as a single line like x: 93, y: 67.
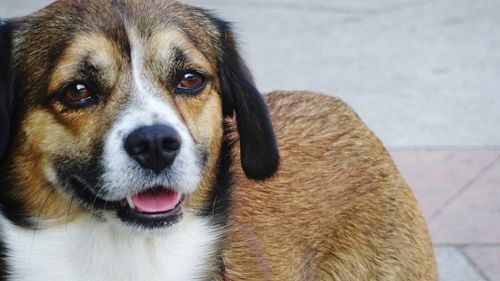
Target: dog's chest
x: 90, y: 251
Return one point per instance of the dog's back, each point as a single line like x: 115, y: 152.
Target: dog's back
x: 338, y: 208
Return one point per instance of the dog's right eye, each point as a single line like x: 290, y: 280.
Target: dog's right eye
x: 77, y: 95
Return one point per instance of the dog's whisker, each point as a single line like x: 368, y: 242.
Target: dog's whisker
x: 213, y: 207
x: 96, y: 197
x: 69, y: 209
x: 38, y: 219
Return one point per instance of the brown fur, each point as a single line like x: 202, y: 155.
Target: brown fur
x: 338, y: 208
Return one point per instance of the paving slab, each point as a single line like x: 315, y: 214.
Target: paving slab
x: 486, y: 258
x: 453, y: 265
x: 474, y: 216
x: 437, y: 175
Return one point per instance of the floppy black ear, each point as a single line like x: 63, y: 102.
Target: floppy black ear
x: 6, y: 85
x: 259, y: 150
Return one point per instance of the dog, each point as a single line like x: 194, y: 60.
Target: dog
x: 134, y: 145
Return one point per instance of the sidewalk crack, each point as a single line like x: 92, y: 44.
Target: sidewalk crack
x: 464, y: 188
x: 472, y: 263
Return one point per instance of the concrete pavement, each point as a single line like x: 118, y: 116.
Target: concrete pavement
x: 458, y: 191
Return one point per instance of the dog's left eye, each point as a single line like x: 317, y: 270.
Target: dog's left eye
x: 191, y: 82
x: 77, y: 95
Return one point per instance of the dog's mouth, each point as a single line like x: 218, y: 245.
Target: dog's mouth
x: 153, y: 201
x: 156, y: 207
x: 153, y: 208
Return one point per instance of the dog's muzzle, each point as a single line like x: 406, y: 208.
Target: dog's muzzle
x: 153, y: 148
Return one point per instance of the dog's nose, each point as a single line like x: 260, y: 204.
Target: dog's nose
x: 153, y: 147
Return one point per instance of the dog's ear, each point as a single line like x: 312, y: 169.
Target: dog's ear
x: 259, y: 150
x: 6, y: 85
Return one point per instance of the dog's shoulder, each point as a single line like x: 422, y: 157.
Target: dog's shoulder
x: 305, y: 101
x: 301, y: 117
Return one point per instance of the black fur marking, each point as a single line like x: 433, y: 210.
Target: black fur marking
x: 176, y: 67
x: 3, y: 264
x: 218, y: 204
x: 5, y: 101
x: 6, y: 91
x: 227, y: 96
x: 259, y: 149
x: 90, y: 74
x: 81, y: 181
x: 12, y: 208
x: 81, y: 191
x: 179, y: 57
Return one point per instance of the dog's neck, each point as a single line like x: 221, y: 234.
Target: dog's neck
x: 91, y: 250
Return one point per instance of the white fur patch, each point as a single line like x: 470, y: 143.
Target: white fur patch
x: 91, y: 250
x: 122, y: 174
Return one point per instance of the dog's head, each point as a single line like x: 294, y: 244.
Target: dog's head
x: 116, y: 108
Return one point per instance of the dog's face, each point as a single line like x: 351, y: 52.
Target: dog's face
x: 116, y: 109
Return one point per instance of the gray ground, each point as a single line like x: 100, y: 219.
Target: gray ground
x: 421, y: 73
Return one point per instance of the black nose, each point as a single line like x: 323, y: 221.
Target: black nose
x: 153, y: 147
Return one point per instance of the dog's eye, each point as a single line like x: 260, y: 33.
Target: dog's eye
x: 77, y: 95
x: 191, y: 82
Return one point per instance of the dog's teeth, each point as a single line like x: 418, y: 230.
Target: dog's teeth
x: 130, y: 202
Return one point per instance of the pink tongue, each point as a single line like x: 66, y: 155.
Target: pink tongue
x: 156, y: 201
